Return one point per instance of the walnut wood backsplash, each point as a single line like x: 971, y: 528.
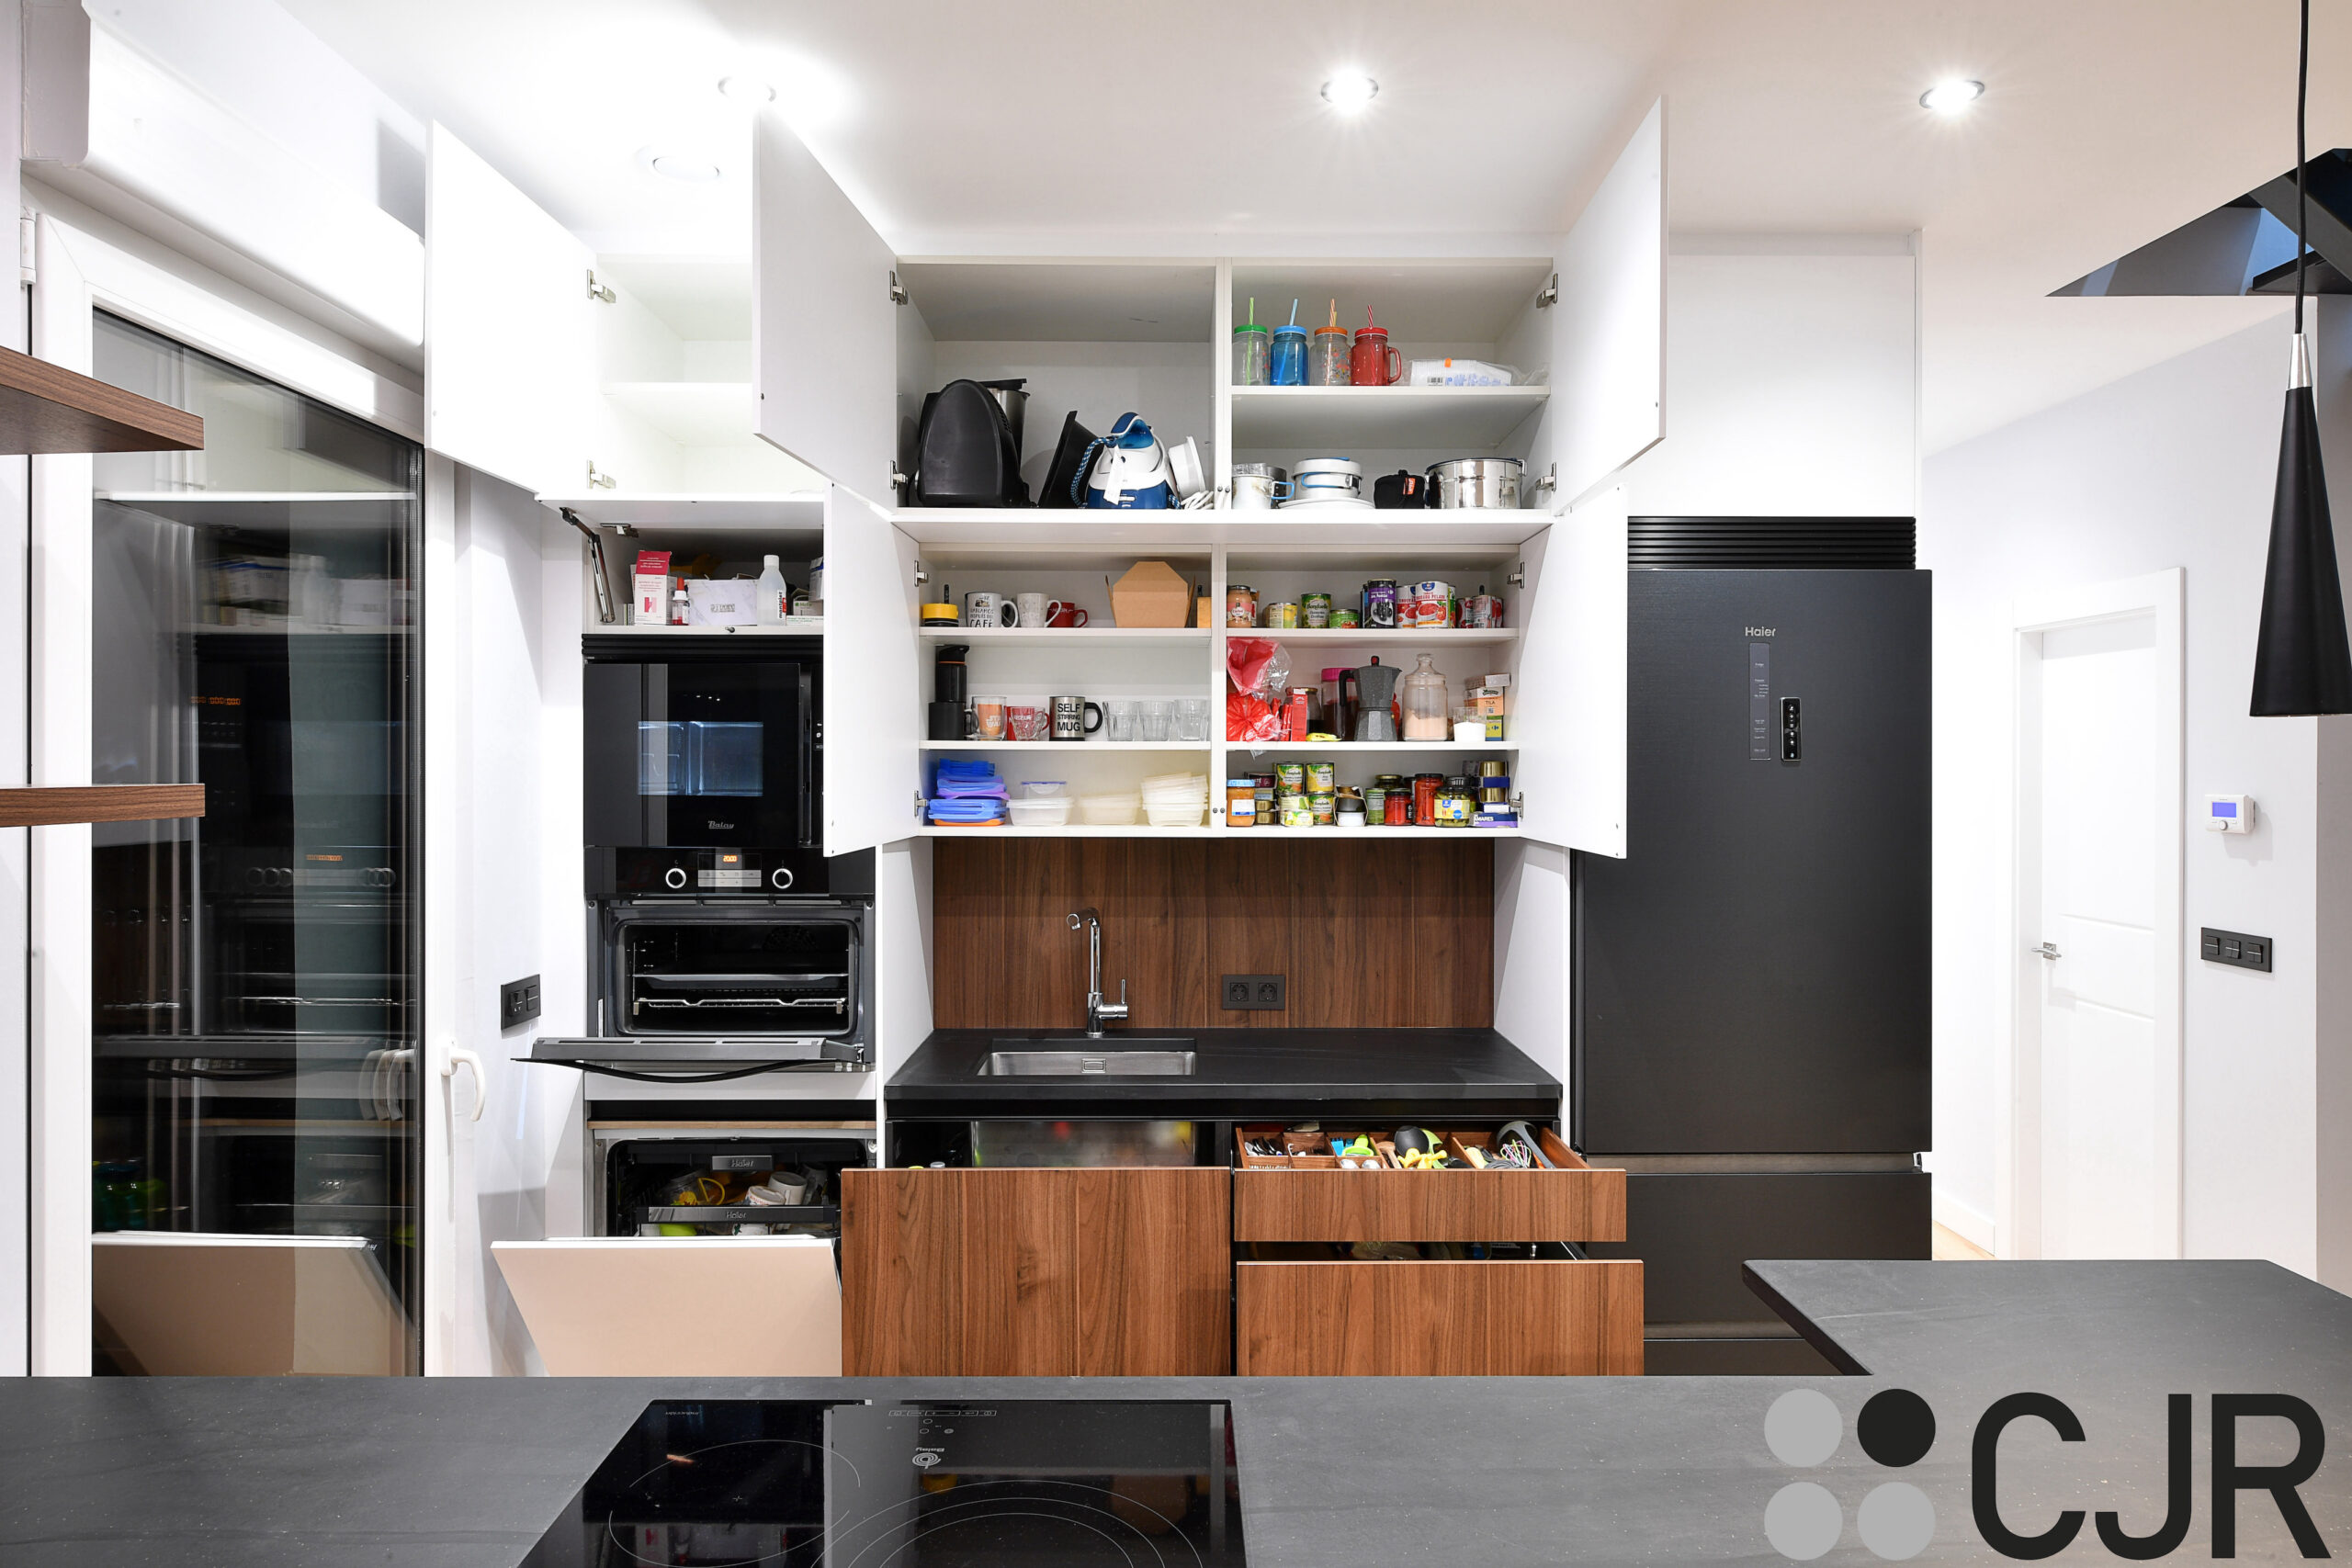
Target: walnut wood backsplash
x: 1397, y: 935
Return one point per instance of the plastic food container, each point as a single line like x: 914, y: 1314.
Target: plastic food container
x: 1049, y: 813
x: 1109, y: 810
x: 1041, y: 789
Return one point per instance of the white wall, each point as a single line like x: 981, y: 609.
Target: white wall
x: 1792, y: 373
x: 2172, y: 467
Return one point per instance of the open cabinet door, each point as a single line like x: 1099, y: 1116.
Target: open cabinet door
x: 873, y: 680
x: 1570, y: 720
x: 60, y: 675
x: 509, y: 341
x: 1608, y: 402
x: 824, y: 334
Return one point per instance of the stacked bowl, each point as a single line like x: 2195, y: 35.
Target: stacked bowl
x: 1175, y: 800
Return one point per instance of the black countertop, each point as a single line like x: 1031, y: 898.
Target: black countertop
x: 1335, y: 1473
x: 1374, y: 1073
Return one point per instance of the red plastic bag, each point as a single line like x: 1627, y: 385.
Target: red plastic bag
x: 1251, y: 717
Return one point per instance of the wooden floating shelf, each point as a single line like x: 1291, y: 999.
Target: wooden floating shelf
x: 47, y: 409
x: 61, y: 806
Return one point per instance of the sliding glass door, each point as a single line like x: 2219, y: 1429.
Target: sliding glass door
x: 256, y: 1142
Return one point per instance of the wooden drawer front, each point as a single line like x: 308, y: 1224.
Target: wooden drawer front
x: 1036, y: 1273
x: 1500, y: 1319
x: 1429, y: 1205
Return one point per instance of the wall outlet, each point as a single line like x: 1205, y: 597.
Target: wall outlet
x: 1256, y: 993
x: 518, y: 1001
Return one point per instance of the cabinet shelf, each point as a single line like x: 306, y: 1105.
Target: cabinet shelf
x: 1215, y: 831
x: 1056, y: 529
x: 692, y: 413
x: 45, y: 806
x: 1446, y: 637
x: 1071, y: 746
x: 1369, y: 748
x: 1008, y: 636
x: 782, y: 512
x: 1353, y: 417
x: 1067, y: 830
x: 46, y: 408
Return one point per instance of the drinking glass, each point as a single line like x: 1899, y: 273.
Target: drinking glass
x: 1119, y: 719
x: 990, y: 711
x: 1151, y: 718
x: 1192, y: 718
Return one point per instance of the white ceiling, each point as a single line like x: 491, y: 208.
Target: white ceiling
x: 1160, y: 126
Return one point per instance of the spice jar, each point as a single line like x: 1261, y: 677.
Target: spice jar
x: 1423, y: 704
x: 1455, y: 805
x: 1425, y: 788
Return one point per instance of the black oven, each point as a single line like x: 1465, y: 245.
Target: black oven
x: 705, y: 765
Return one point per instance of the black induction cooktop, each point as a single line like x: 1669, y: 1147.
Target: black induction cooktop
x: 787, y: 1484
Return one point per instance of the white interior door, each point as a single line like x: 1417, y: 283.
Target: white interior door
x: 1608, y: 402
x: 2100, y: 905
x: 874, y: 679
x: 823, y: 326
x: 509, y: 339
x: 57, y: 1046
x: 1568, y: 715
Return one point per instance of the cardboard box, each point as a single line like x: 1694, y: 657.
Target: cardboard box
x: 1153, y: 594
x: 715, y: 601
x: 651, y: 587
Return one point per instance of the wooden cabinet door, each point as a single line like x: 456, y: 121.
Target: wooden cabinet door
x: 1404, y: 1319
x: 1036, y: 1273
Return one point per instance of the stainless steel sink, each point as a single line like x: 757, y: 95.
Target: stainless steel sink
x: 1134, y: 1056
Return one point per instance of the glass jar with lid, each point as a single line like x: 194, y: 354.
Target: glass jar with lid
x: 1424, y: 703
x: 1457, y: 803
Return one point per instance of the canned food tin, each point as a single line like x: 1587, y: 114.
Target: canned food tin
x: 1281, y: 617
x: 1315, y: 610
x: 1482, y: 610
x: 1290, y: 777
x: 1322, y: 805
x: 1296, y: 812
x: 1380, y: 603
x: 1432, y: 605
x: 1240, y: 604
x: 1375, y: 801
x: 1319, y: 778
x: 1346, y: 620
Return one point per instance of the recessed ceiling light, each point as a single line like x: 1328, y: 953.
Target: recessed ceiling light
x: 747, y: 90
x: 1350, y: 91
x: 1952, y: 96
x: 687, y: 168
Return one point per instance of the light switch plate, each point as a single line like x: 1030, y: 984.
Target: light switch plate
x: 2235, y: 948
x: 518, y: 1001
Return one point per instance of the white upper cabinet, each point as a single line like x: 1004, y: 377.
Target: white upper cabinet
x: 1569, y: 696
x: 824, y: 328
x: 874, y: 778
x: 509, y: 357
x: 1607, y: 327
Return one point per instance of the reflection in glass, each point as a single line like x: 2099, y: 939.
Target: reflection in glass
x: 255, y: 1133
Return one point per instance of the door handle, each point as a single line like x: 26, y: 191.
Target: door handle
x: 459, y: 1056
x: 2047, y: 950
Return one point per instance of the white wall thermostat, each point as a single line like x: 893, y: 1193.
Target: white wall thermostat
x: 2229, y: 814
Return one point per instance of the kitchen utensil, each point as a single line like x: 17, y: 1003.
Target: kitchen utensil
x: 1125, y: 470
x: 1060, y: 613
x: 1402, y: 491
x: 1030, y: 609
x: 1252, y: 351
x: 1326, y: 479
x: 1374, y: 363
x: 1465, y: 482
x: 1526, y: 1135
x: 985, y: 609
x: 1258, y: 486
x: 1062, y: 474
x: 967, y: 453
x: 1376, y: 687
x: 1074, y: 718
x: 1014, y: 402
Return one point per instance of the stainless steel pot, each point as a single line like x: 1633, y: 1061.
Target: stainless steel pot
x: 1259, y: 486
x: 1465, y: 482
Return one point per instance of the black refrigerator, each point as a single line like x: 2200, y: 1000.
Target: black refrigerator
x: 1752, y: 980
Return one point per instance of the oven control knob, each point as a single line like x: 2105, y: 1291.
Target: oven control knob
x: 781, y: 877
x: 675, y: 876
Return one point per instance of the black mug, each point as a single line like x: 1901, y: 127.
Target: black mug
x: 1074, y: 718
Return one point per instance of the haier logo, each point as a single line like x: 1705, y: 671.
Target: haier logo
x: 1760, y: 631
x: 720, y: 827
x: 1897, y: 1521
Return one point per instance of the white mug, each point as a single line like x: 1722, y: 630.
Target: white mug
x: 1031, y: 610
x: 989, y: 610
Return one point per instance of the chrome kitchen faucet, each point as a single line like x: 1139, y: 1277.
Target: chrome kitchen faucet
x: 1097, y: 1009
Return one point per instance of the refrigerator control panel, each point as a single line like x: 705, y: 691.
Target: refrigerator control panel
x: 1791, y: 737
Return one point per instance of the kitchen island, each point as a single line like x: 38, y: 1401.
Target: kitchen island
x: 1334, y: 1473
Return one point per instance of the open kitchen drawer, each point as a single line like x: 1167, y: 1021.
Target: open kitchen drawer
x: 1038, y: 1272
x: 679, y: 1306
x: 1322, y: 1203
x: 1539, y: 1312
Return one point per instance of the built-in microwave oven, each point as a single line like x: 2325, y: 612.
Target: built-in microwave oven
x: 705, y: 765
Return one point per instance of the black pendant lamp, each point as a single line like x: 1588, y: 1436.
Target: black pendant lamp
x: 2302, y: 659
